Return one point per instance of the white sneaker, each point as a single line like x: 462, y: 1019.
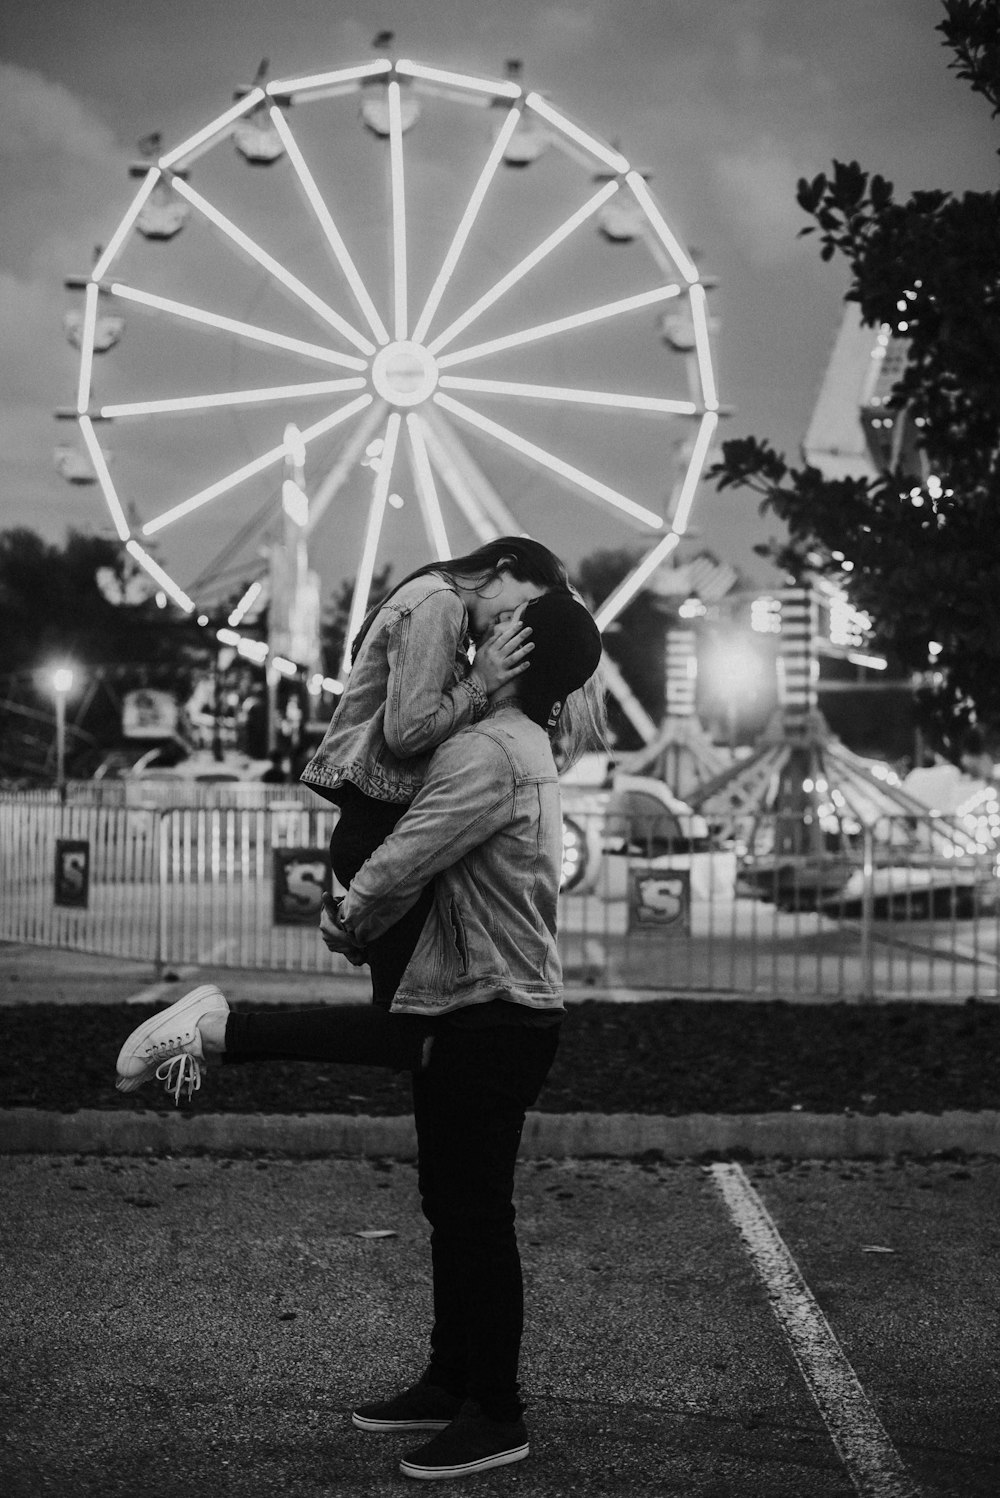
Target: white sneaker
x: 168, y: 1046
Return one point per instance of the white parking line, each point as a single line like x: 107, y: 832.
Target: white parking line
x: 872, y: 1462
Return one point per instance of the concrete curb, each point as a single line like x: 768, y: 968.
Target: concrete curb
x: 803, y: 1136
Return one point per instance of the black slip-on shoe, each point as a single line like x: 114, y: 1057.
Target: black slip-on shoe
x: 421, y: 1407
x: 471, y: 1443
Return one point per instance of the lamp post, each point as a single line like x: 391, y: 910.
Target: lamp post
x: 62, y: 684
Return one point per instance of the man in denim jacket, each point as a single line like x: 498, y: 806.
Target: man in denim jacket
x: 486, y: 827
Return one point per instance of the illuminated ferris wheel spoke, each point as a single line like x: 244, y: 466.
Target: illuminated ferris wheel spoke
x: 507, y: 90
x: 120, y: 235
x: 571, y: 396
x: 465, y: 225
x: 536, y: 256
x: 194, y: 403
x: 614, y: 159
x: 398, y: 212
x: 661, y: 229
x: 284, y: 276
x: 465, y: 499
x: 350, y: 454
x: 158, y: 575
x: 330, y: 231
x: 699, y: 317
x: 560, y: 325
x: 249, y: 470
x: 630, y: 585
x: 87, y: 346
x: 308, y: 88
x: 213, y: 131
x: 573, y: 475
x: 104, y: 478
x: 427, y: 495
x: 232, y: 325
x: 682, y: 509
x: 376, y: 515
x: 448, y: 441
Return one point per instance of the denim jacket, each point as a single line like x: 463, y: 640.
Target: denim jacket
x: 486, y: 827
x: 408, y: 691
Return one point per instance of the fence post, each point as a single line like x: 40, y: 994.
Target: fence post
x: 867, y: 993
x: 162, y: 865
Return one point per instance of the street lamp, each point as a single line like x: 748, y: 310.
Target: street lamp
x: 62, y: 684
x: 733, y: 671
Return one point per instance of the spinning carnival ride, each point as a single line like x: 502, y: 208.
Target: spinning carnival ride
x: 468, y: 335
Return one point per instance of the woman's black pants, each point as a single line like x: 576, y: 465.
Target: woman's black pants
x: 469, y: 1103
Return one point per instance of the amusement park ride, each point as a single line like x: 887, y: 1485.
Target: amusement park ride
x: 805, y: 809
x: 408, y: 390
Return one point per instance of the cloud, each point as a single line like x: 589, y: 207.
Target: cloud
x: 62, y: 176
x: 756, y: 184
x: 38, y: 116
x: 61, y: 172
x: 568, y: 26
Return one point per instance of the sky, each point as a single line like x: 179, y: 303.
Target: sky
x: 723, y: 103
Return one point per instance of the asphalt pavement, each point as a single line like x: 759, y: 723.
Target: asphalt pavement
x: 175, y: 1321
x: 179, y: 1325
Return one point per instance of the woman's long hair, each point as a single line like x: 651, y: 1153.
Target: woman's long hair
x: 526, y: 560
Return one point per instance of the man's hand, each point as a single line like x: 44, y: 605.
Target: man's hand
x: 335, y: 938
x: 504, y: 655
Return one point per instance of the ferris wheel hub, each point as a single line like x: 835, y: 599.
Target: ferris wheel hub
x: 404, y: 373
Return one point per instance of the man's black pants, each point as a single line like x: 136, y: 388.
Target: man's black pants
x: 469, y: 1103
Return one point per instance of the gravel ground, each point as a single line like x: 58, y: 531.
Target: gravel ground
x: 662, y: 1057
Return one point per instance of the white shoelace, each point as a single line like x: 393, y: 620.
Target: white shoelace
x: 181, y: 1071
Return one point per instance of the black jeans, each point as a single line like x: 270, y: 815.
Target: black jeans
x: 470, y: 1096
x: 469, y: 1103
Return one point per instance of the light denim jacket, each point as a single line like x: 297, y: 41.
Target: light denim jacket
x: 408, y: 692
x: 486, y: 827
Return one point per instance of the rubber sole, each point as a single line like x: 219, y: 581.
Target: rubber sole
x: 387, y: 1426
x: 464, y: 1469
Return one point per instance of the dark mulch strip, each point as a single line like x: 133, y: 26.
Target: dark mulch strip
x: 666, y: 1056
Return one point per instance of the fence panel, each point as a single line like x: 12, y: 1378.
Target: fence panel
x: 911, y: 909
x: 99, y: 895
x: 906, y: 911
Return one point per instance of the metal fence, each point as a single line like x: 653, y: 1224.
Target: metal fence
x: 239, y: 886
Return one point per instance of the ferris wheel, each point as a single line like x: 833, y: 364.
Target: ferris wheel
x: 500, y: 333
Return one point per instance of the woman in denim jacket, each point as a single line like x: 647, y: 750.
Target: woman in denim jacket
x: 475, y: 1020
x: 410, y: 688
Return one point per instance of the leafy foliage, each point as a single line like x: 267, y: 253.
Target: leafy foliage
x: 924, y: 557
x: 52, y: 610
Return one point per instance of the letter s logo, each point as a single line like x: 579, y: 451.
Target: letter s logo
x: 74, y: 874
x: 661, y: 899
x: 305, y: 883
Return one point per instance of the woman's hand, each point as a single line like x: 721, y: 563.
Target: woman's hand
x: 504, y: 655
x: 335, y: 938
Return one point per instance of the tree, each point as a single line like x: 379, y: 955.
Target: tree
x: 52, y: 608
x: 918, y: 550
x: 333, y: 629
